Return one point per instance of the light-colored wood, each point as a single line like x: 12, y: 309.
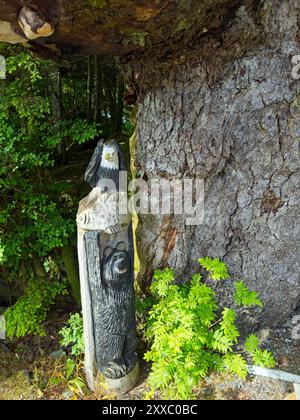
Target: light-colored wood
x: 33, y: 26
x: 101, y: 212
x: 97, y: 212
x: 88, y: 330
x: 7, y: 34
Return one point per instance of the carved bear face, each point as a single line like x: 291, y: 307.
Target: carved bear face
x: 116, y: 266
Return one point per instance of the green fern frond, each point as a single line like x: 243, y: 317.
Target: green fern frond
x: 216, y: 269
x: 251, y: 344
x: 245, y: 297
x: 236, y: 365
x: 264, y: 358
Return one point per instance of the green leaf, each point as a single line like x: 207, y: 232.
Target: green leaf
x: 251, y: 344
x: 162, y: 281
x: 217, y: 269
x: 70, y: 367
x: 264, y: 358
x: 245, y: 297
x: 221, y: 342
x: 236, y: 365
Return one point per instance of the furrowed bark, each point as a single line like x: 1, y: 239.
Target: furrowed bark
x: 229, y: 114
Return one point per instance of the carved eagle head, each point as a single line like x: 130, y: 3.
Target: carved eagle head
x: 106, y: 162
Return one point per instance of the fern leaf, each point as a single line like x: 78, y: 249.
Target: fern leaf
x: 251, y: 344
x: 245, y: 297
x: 217, y: 269
x: 264, y: 358
x: 236, y: 364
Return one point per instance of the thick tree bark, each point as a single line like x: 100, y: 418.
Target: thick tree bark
x: 112, y: 27
x: 230, y: 115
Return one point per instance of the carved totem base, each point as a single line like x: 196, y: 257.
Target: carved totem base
x: 125, y: 384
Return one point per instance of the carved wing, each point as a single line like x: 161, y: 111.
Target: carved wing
x: 91, y: 173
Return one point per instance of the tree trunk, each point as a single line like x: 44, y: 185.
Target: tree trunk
x: 71, y: 265
x: 119, y: 104
x: 98, y: 88
x: 229, y: 114
x: 89, y: 88
x: 55, y: 92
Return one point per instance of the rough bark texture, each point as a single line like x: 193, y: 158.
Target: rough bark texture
x: 231, y: 117
x: 116, y: 26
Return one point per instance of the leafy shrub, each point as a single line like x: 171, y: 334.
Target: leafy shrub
x: 73, y: 335
x: 186, y: 337
x: 31, y: 309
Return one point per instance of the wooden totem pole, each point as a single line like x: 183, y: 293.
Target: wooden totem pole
x: 106, y: 261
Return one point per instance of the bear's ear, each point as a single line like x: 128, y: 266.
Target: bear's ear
x: 121, y: 246
x: 107, y: 251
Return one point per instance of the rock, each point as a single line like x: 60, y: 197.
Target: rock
x: 118, y: 27
x: 4, y: 346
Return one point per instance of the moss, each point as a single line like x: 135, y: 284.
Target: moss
x: 132, y: 145
x: 137, y: 264
x: 136, y: 38
x: 98, y: 3
x: 18, y: 387
x: 183, y: 25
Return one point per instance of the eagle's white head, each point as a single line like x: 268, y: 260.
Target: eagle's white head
x: 110, y: 156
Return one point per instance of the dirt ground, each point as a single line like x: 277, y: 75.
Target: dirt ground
x: 32, y: 369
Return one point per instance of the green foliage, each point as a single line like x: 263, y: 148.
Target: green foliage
x: 48, y: 114
x: 73, y: 335
x: 31, y: 222
x: 262, y: 358
x: 217, y: 269
x: 187, y: 337
x: 251, y: 344
x: 77, y: 131
x: 245, y: 297
x: 31, y: 309
x: 68, y: 377
x: 236, y: 365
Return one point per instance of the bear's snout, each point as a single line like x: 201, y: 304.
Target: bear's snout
x: 121, y: 266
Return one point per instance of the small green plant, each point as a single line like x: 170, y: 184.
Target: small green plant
x: 31, y: 309
x: 190, y: 335
x: 244, y: 297
x: 73, y: 335
x: 68, y: 377
x: 262, y: 358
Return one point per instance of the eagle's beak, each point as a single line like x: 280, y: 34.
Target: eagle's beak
x: 107, y: 156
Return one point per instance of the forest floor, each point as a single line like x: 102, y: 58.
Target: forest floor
x: 34, y: 368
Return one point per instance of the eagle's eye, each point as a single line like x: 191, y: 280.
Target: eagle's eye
x: 110, y: 155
